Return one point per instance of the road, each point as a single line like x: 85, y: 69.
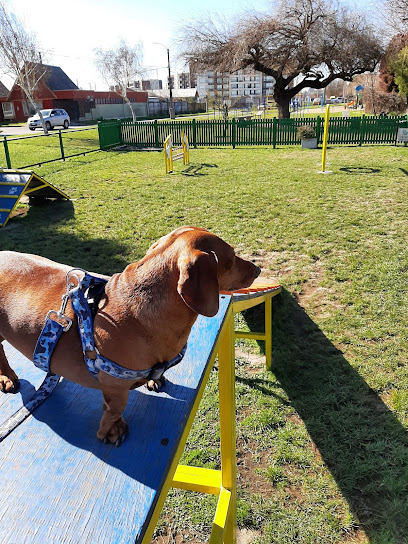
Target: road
x: 22, y: 130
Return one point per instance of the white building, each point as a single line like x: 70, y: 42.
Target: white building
x: 247, y: 84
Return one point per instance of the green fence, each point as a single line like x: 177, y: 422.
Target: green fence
x: 347, y: 130
x: 27, y: 151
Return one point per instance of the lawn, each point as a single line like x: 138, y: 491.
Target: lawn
x: 30, y: 150
x: 322, y: 439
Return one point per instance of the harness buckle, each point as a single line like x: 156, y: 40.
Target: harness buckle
x: 60, y: 317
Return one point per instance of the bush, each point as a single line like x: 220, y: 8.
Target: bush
x: 305, y: 132
x: 385, y: 103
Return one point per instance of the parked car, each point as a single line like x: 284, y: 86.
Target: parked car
x: 52, y: 118
x: 316, y: 101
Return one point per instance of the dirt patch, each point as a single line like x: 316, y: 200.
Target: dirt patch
x: 249, y: 463
x: 246, y: 536
x: 254, y: 362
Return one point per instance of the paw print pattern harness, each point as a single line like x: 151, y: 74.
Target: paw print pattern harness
x: 84, y: 295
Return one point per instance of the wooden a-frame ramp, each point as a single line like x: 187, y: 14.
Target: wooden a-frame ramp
x: 14, y: 184
x: 61, y: 485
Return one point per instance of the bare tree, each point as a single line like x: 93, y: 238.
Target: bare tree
x: 20, y: 57
x: 119, y: 67
x: 397, y: 15
x: 305, y: 43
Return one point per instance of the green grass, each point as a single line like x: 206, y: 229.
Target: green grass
x: 31, y: 150
x: 322, y: 439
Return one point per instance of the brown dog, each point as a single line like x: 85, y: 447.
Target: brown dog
x: 144, y: 316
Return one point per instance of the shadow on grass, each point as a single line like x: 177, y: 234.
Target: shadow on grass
x: 197, y: 169
x: 360, y: 440
x: 38, y: 232
x: 360, y: 170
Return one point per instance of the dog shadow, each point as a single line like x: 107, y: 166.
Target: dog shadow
x: 72, y: 413
x: 360, y: 440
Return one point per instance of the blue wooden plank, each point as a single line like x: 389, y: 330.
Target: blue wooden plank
x: 60, y: 484
x: 30, y: 380
x: 11, y: 189
x: 12, y: 176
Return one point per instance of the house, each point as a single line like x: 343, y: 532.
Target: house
x: 3, y: 93
x: 57, y: 90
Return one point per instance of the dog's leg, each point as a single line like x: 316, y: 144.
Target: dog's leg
x: 112, y: 428
x: 9, y: 382
x: 156, y: 385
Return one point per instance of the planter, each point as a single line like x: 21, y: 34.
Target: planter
x: 309, y: 143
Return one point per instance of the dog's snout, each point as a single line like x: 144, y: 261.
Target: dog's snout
x: 257, y: 270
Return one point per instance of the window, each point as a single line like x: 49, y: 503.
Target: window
x: 8, y: 110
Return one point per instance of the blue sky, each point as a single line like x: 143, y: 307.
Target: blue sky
x: 68, y: 40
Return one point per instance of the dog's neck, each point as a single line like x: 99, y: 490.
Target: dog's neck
x: 143, y: 297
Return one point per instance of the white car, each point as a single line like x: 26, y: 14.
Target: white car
x: 52, y: 118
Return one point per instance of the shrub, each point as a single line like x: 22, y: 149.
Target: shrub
x: 305, y: 132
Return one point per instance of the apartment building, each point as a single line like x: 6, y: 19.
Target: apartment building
x: 247, y: 84
x: 186, y: 80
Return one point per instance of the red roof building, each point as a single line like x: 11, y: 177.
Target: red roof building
x: 57, y: 90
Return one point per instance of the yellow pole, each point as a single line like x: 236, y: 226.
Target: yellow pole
x: 325, y: 136
x: 226, y: 381
x: 268, y: 332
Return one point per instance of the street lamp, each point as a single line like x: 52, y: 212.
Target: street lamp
x: 171, y: 108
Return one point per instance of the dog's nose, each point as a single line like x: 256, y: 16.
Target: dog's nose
x: 257, y: 270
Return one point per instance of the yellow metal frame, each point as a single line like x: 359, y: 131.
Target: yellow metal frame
x: 170, y: 157
x: 219, y: 482
x: 265, y: 294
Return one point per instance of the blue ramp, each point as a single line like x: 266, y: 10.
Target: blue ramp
x: 61, y: 485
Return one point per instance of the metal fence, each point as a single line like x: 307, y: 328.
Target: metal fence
x: 236, y: 132
x: 40, y: 149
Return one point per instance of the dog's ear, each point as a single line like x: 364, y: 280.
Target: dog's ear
x: 198, y: 282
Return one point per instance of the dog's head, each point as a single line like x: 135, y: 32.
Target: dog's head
x: 206, y: 265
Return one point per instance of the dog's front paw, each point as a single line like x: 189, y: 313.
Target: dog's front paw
x: 9, y: 385
x: 155, y: 385
x: 116, y: 434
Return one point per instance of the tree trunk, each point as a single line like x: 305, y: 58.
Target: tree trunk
x: 282, y: 103
x: 128, y: 102
x: 37, y: 109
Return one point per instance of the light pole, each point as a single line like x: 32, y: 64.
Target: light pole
x: 171, y: 107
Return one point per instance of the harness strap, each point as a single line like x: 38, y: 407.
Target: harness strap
x: 90, y: 287
x: 46, y: 343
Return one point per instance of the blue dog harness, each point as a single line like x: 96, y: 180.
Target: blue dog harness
x: 84, y: 296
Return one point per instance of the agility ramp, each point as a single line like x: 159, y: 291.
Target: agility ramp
x: 14, y: 184
x: 61, y: 485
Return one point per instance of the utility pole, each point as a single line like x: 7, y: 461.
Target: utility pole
x: 171, y: 109
x: 171, y: 104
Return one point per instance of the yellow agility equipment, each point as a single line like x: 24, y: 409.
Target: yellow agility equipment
x: 325, y: 137
x: 170, y: 157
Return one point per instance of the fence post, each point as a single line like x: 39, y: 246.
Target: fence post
x: 6, y: 152
x: 362, y: 129
x: 233, y: 133
x: 274, y: 130
x: 156, y: 133
x: 318, y: 124
x: 61, y: 145
x: 194, y: 134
